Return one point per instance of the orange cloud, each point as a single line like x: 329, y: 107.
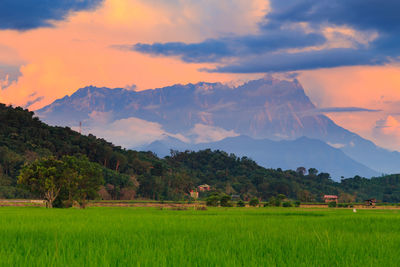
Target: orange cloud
x: 367, y: 87
x: 78, y: 52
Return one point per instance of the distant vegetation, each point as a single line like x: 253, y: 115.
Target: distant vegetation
x: 127, y: 174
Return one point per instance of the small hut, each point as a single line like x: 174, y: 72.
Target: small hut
x: 330, y: 198
x: 204, y: 187
x: 370, y: 202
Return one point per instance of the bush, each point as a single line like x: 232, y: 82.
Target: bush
x: 240, y: 203
x: 274, y: 201
x: 254, y: 202
x: 286, y: 204
x: 266, y: 204
x: 212, y: 201
x: 332, y: 204
x: 297, y: 203
x: 225, y: 201
x: 343, y: 205
x: 281, y: 196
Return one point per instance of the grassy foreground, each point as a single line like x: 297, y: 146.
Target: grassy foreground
x: 32, y: 236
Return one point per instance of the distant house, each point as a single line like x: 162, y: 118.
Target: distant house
x: 330, y: 198
x: 370, y: 202
x: 204, y: 187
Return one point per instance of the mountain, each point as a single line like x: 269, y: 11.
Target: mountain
x: 286, y: 154
x: 264, y: 108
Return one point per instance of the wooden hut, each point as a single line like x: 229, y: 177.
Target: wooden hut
x: 370, y: 202
x: 330, y: 198
x: 204, y: 187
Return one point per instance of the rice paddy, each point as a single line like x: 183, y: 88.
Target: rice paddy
x: 105, y: 236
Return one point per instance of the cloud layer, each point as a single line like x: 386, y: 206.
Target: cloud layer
x: 27, y: 14
x: 299, y: 35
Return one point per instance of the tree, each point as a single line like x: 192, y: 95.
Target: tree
x: 301, y: 171
x: 44, y: 177
x: 254, y: 202
x: 226, y: 201
x: 304, y: 196
x: 346, y: 198
x: 312, y: 172
x: 240, y: 203
x: 82, y: 179
x: 70, y: 179
x: 213, y: 200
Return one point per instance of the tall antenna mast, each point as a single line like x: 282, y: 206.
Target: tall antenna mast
x: 80, y: 127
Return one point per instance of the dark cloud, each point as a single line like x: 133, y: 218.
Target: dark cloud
x: 345, y: 109
x: 271, y: 50
x: 11, y: 73
x: 214, y: 50
x: 31, y: 102
x: 30, y: 14
x: 281, y: 62
x: 359, y: 14
x: 318, y: 111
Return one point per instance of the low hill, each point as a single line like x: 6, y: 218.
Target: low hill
x: 286, y: 154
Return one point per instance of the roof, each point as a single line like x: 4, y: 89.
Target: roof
x: 330, y: 196
x: 204, y: 185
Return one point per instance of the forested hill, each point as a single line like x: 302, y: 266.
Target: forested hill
x: 129, y: 174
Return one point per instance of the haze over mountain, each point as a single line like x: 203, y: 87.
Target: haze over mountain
x: 209, y: 112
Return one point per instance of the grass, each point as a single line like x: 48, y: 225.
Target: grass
x: 32, y: 236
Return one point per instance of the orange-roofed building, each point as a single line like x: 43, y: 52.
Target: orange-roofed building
x: 204, y: 187
x: 330, y: 198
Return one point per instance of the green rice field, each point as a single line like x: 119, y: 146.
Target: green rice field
x: 35, y: 236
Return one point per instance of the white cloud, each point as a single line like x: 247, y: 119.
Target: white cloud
x: 336, y: 145
x: 204, y: 133
x: 132, y: 132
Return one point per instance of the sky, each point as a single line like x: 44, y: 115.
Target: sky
x: 345, y: 53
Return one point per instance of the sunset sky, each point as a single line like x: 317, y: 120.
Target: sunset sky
x: 345, y: 53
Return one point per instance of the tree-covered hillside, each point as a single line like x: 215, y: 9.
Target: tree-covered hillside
x: 131, y: 174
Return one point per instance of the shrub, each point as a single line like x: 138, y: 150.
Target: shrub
x: 254, y: 202
x: 212, y: 201
x: 266, y: 204
x: 240, y: 203
x: 274, y: 201
x: 225, y: 201
x: 332, y: 204
x: 343, y: 205
x: 297, y: 203
x: 281, y: 196
x: 286, y: 204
